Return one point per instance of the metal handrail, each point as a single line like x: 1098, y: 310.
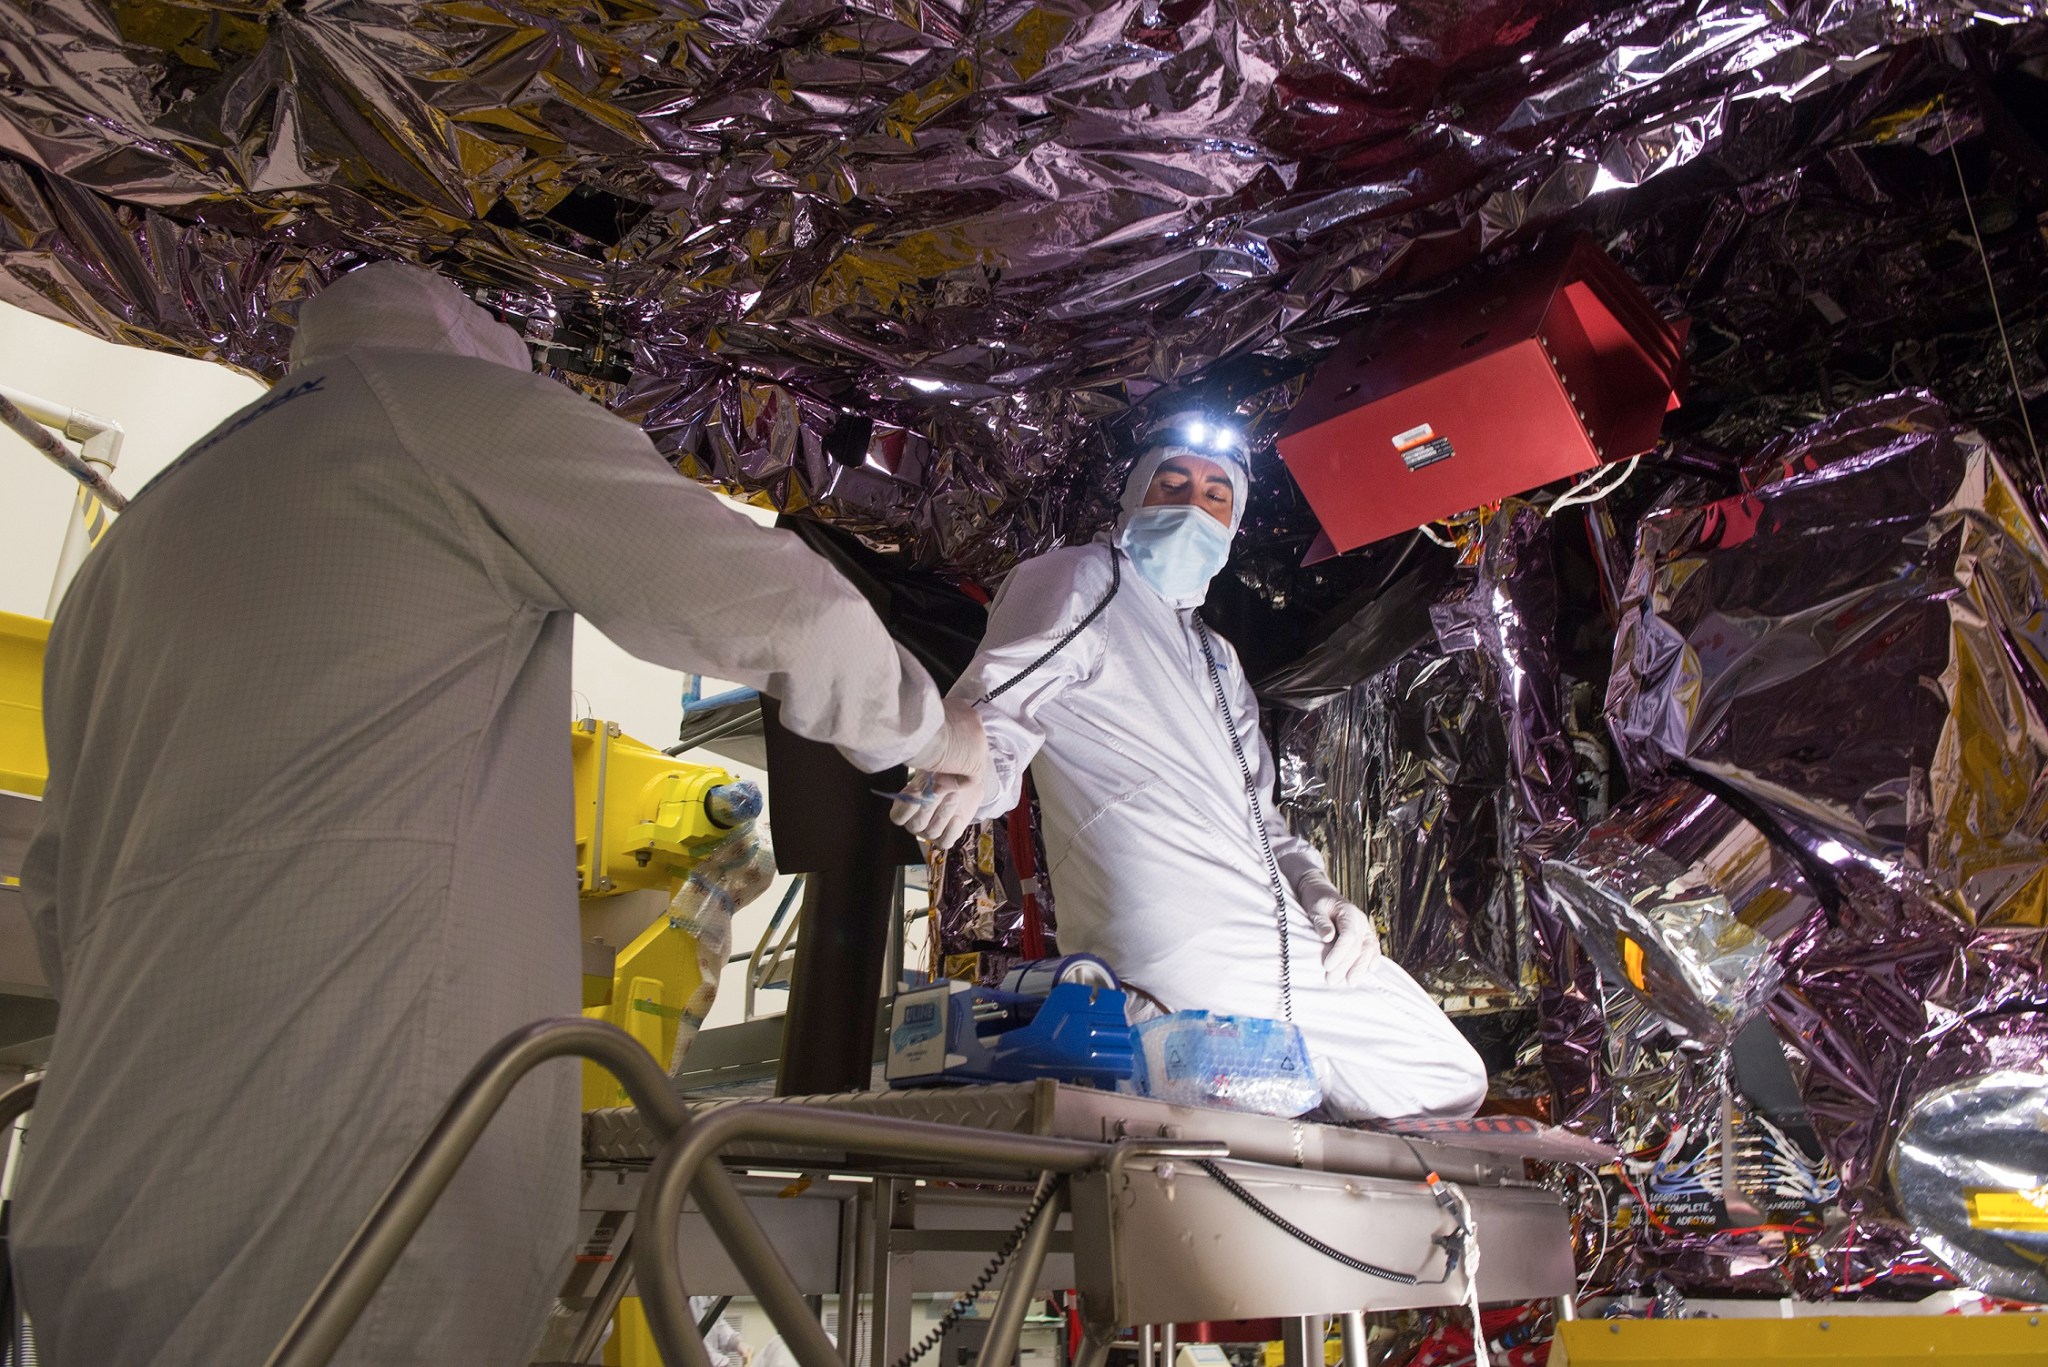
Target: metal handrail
x: 685, y: 1166
x: 335, y: 1306
x: 756, y: 975
x: 31, y: 430
x: 18, y: 1100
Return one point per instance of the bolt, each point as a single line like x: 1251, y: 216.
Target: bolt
x: 1823, y: 1325
x: 611, y: 728
x: 1614, y: 1329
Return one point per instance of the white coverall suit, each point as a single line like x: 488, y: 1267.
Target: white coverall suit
x: 306, y: 851
x: 1150, y: 844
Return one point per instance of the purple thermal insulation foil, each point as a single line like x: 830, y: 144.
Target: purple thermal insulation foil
x: 987, y: 229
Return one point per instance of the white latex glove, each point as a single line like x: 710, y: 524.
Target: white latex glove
x: 958, y: 747
x: 948, y: 778
x: 1350, y: 940
x: 943, y: 807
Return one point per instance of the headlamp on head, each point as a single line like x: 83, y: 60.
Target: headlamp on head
x: 1198, y: 431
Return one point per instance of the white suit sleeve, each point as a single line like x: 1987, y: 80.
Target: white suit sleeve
x: 571, y: 508
x: 1297, y: 858
x: 1042, y: 600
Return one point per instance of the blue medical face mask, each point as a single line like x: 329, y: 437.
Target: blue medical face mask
x: 1176, y: 550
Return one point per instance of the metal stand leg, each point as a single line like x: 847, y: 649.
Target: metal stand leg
x: 1094, y: 1352
x: 1169, y: 1344
x: 894, y: 1209
x: 851, y: 1212
x: 1352, y: 1326
x: 1006, y: 1321
x: 1566, y: 1308
x: 1301, y: 1341
x: 605, y: 1304
x: 1147, y: 1348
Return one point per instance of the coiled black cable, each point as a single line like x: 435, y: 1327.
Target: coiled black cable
x: 1116, y: 579
x: 1251, y: 792
x: 1047, y: 1185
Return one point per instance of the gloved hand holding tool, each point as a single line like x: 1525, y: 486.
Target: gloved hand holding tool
x: 947, y: 779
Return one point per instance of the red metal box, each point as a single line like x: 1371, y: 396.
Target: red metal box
x: 1486, y: 391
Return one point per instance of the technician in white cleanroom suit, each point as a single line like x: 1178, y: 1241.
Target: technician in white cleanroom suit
x: 1151, y: 819
x: 306, y: 851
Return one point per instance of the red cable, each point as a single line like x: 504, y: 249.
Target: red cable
x: 1024, y: 859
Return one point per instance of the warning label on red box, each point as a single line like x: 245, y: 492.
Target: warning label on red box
x: 1427, y: 453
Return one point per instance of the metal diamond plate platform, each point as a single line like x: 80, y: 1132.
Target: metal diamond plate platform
x: 618, y: 1136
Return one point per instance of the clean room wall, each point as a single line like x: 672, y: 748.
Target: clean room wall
x: 165, y: 403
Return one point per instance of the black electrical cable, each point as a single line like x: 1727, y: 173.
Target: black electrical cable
x: 1294, y: 1231
x: 959, y: 1308
x: 1826, y: 888
x: 711, y: 1316
x: 1116, y: 579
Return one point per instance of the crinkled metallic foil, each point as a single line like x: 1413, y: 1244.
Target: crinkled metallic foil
x: 1971, y: 1170
x: 984, y: 227
x: 1681, y: 899
x: 1859, y: 640
x: 1508, y: 619
x: 978, y: 903
x: 1398, y: 781
x: 1855, y: 644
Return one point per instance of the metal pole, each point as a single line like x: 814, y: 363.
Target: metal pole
x: 1566, y: 1308
x: 754, y: 973
x: 16, y: 1101
x: 14, y: 1104
x: 1352, y: 1327
x: 686, y: 1165
x: 1094, y: 1352
x: 892, y: 968
x: 1148, y: 1346
x: 849, y: 1274
x: 759, y: 1265
x: 1301, y: 1342
x: 889, y: 1272
x: 36, y: 435
x: 605, y: 1304
x: 1006, y: 1321
x: 335, y: 1306
x: 709, y: 1318
x: 1169, y: 1344
x: 88, y: 517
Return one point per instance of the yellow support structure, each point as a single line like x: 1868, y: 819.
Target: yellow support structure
x: 24, y: 765
x: 632, y: 1341
x: 656, y: 975
x: 640, y: 815
x: 641, y: 823
x: 2013, y: 1340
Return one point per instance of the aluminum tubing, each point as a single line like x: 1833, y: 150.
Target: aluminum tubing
x: 686, y: 1166
x: 334, y: 1307
x: 1006, y: 1321
x: 18, y: 1100
x: 36, y: 435
x: 604, y: 1305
